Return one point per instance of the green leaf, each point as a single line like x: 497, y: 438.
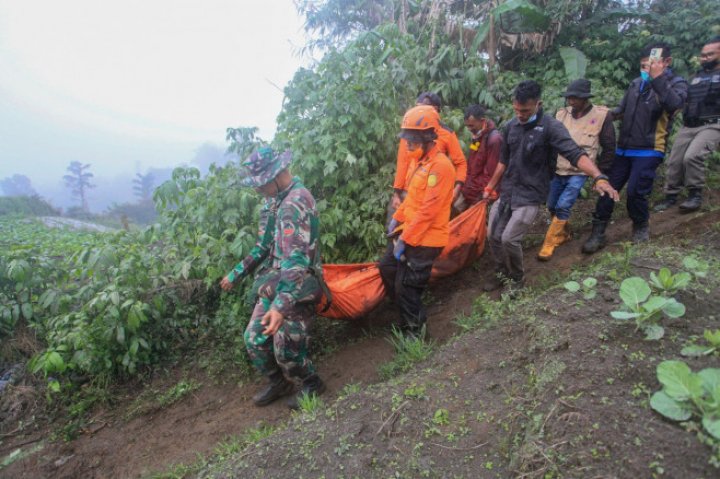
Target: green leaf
x: 655, y: 303
x: 681, y: 280
x: 133, y: 321
x: 624, y: 315
x: 712, y: 337
x: 575, y: 63
x: 710, y: 379
x: 669, y: 407
x: 712, y: 425
x: 655, y: 281
x: 480, y: 36
x: 120, y: 334
x: 678, y: 380
x: 674, y: 309
x: 634, y: 291
x: 523, y: 15
x: 54, y: 363
x: 589, y: 283
x: 572, y: 286
x: 27, y: 311
x: 696, y: 351
x: 653, y: 332
x: 134, y: 345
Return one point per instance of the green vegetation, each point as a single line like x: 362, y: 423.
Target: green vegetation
x: 408, y: 351
x: 646, y: 309
x: 25, y: 206
x: 686, y: 394
x: 697, y: 350
x: 587, y: 286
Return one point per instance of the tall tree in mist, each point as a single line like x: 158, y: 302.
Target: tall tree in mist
x: 143, y: 186
x: 79, y: 182
x: 17, y: 185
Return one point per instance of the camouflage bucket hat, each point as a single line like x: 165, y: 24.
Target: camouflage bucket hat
x: 261, y: 167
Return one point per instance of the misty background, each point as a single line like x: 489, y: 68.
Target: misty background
x: 135, y: 89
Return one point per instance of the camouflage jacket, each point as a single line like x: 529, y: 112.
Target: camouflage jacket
x: 286, y: 254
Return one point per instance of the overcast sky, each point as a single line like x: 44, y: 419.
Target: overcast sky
x: 128, y: 85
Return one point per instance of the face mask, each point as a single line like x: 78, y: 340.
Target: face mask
x: 477, y: 134
x: 644, y: 75
x: 532, y: 118
x: 710, y: 65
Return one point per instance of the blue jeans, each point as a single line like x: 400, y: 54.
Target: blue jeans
x: 638, y: 173
x: 564, y: 191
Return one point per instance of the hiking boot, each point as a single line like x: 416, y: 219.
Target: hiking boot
x: 641, y: 233
x: 693, y: 201
x: 278, y: 387
x: 556, y: 235
x: 311, y: 386
x: 596, y: 241
x: 668, y: 202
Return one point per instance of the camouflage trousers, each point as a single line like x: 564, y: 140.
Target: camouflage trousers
x: 286, y: 350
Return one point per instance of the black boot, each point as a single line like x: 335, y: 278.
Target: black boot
x: 311, y: 386
x: 641, y: 233
x: 596, y: 241
x: 278, y: 387
x: 668, y: 202
x: 693, y: 201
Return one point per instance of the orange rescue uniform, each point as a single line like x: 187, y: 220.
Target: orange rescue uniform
x: 447, y: 142
x: 425, y: 212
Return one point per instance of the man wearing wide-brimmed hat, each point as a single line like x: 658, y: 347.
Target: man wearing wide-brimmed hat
x: 288, y: 275
x: 592, y: 129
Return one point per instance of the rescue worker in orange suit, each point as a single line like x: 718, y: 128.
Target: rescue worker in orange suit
x: 419, y: 227
x: 447, y: 142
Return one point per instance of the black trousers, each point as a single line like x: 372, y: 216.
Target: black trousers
x: 406, y: 280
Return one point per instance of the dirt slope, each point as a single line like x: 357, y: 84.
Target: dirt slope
x: 489, y: 370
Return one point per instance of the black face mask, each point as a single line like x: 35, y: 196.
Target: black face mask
x: 710, y: 65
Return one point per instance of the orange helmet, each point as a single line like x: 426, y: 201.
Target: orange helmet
x: 419, y: 124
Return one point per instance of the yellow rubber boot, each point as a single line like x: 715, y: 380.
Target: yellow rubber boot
x: 555, y: 236
x: 565, y: 234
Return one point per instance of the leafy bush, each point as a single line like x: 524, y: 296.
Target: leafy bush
x: 686, y: 394
x: 713, y: 345
x: 668, y: 283
x: 25, y: 206
x: 588, y: 287
x: 646, y: 309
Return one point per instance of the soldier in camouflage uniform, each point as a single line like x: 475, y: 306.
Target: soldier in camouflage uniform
x: 287, y: 282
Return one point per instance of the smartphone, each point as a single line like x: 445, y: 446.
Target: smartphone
x: 656, y: 54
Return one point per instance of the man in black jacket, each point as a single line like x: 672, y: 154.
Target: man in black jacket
x: 646, y: 112
x: 699, y: 136
x: 532, y: 141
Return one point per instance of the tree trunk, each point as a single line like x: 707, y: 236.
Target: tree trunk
x: 402, y: 21
x: 491, y: 51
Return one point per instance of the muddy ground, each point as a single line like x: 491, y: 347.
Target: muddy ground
x: 549, y: 388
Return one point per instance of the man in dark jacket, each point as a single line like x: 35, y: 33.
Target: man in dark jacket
x: 699, y: 136
x: 646, y: 113
x: 532, y: 141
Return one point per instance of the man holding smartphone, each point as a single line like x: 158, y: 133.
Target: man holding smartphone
x: 646, y: 112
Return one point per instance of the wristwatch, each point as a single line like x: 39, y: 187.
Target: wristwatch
x: 600, y: 177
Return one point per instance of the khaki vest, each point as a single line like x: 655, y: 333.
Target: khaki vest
x: 586, y: 133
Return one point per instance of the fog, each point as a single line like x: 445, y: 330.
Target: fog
x: 134, y: 86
